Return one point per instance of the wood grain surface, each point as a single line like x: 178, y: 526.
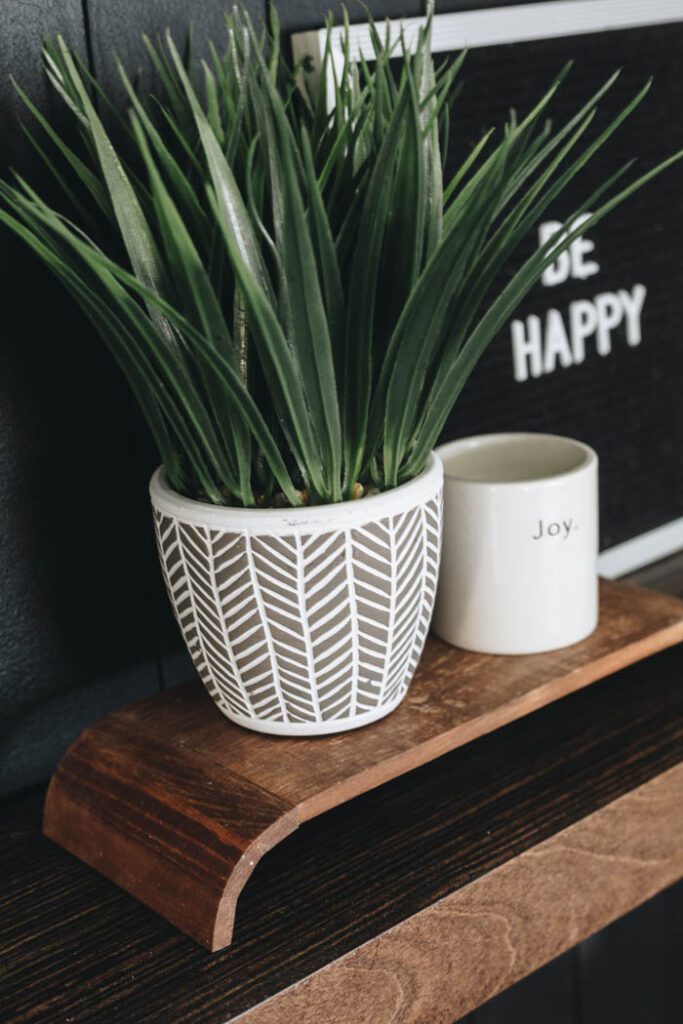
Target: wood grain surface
x: 170, y: 829
x: 177, y: 805
x: 76, y: 948
x: 455, y: 955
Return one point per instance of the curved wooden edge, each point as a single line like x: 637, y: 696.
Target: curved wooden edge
x: 161, y: 823
x: 177, y: 806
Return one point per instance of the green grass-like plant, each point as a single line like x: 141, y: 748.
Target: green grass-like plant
x: 294, y: 293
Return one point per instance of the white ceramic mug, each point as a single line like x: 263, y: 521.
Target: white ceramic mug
x: 520, y: 543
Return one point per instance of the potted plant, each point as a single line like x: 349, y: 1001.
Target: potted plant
x: 297, y: 299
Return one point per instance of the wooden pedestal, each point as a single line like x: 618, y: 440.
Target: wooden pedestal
x: 176, y: 804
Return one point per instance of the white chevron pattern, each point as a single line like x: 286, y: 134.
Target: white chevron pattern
x: 304, y: 628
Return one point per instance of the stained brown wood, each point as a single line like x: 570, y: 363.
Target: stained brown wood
x: 177, y: 805
x: 163, y: 824
x: 453, y: 956
x: 74, y: 947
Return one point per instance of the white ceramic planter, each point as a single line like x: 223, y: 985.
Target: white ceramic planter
x: 304, y: 621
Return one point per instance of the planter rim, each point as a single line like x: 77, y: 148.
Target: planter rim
x: 312, y: 519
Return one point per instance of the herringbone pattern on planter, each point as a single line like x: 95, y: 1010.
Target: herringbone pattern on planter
x: 306, y: 627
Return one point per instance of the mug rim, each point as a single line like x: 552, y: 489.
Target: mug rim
x: 444, y: 451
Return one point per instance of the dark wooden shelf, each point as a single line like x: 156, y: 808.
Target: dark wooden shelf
x: 414, y: 902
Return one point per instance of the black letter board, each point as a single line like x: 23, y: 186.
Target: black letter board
x: 595, y: 350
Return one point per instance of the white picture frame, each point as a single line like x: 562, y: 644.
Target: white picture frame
x: 492, y: 26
